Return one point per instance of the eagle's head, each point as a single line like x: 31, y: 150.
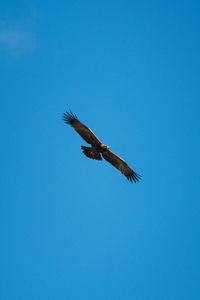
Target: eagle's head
x: 104, y: 147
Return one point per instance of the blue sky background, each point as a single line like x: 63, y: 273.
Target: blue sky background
x: 73, y: 228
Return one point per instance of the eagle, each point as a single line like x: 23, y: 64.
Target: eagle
x: 98, y: 149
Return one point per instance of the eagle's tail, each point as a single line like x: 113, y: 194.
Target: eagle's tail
x: 91, y: 153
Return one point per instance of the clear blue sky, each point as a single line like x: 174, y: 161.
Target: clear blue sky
x: 73, y: 228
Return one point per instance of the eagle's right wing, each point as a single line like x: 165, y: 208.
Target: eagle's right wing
x: 121, y: 165
x: 82, y: 130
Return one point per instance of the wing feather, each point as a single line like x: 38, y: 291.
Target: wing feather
x: 83, y: 131
x: 121, y: 165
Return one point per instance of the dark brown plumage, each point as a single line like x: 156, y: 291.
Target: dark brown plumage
x: 99, y: 148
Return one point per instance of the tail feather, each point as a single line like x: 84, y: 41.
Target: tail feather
x: 91, y: 153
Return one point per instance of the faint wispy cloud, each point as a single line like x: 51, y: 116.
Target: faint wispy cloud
x: 16, y: 40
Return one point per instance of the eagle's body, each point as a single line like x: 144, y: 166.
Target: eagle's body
x: 98, y: 149
x: 94, y: 151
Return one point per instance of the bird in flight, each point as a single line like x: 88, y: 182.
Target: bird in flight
x: 98, y: 149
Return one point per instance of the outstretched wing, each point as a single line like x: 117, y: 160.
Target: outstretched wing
x: 121, y: 165
x: 83, y: 130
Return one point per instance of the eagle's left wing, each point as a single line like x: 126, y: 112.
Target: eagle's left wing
x: 121, y: 165
x: 85, y: 132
